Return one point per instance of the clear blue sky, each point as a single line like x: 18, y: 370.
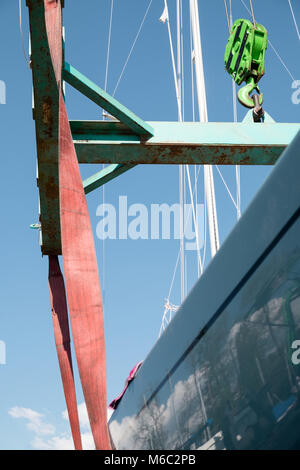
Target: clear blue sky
x: 137, y: 274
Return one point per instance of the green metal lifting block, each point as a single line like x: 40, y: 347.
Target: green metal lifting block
x: 245, y: 57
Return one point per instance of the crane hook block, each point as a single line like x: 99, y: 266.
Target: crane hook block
x: 245, y: 57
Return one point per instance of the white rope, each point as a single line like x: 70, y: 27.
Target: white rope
x: 132, y: 47
x: 104, y: 115
x: 172, y: 58
x: 227, y: 15
x: 281, y: 60
x: 226, y: 186
x: 181, y: 167
x: 199, y: 269
x: 252, y: 13
x: 205, y: 230
x: 108, y: 45
x: 274, y: 49
x: 195, y: 219
x: 167, y: 316
x: 21, y: 33
x: 178, y: 256
x: 182, y: 61
x: 235, y: 119
x: 192, y: 73
x: 165, y: 18
x: 294, y: 19
x: 203, y: 115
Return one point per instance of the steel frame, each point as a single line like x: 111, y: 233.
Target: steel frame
x: 123, y: 144
x: 129, y: 141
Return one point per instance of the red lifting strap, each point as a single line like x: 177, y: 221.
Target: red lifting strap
x: 62, y: 341
x: 82, y: 283
x: 79, y: 258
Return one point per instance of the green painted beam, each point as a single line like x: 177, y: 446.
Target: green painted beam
x: 186, y: 143
x: 107, y: 102
x: 249, y: 117
x: 103, y: 130
x: 104, y: 176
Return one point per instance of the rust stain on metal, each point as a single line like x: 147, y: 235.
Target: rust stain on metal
x: 51, y: 188
x: 47, y: 114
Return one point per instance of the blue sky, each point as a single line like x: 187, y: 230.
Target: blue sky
x: 136, y: 275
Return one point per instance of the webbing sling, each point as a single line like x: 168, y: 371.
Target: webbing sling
x: 62, y: 342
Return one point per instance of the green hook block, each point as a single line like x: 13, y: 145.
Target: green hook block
x: 245, y: 57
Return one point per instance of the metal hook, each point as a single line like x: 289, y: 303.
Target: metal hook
x: 244, y: 94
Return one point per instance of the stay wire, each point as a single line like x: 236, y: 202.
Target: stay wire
x: 252, y: 13
x: 294, y: 19
x: 132, y: 47
x: 274, y: 49
x: 22, y: 35
x: 227, y: 15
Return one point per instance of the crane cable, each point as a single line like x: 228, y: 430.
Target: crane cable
x: 227, y: 15
x: 294, y: 19
x: 274, y: 49
x: 236, y: 203
x: 252, y: 13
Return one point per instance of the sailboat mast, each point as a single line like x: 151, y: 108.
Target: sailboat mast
x: 202, y: 105
x: 181, y: 168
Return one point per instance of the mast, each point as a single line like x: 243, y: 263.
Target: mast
x: 202, y: 105
x: 181, y: 168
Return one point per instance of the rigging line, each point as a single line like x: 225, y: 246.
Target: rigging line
x: 274, y: 49
x: 182, y: 61
x: 281, y: 60
x: 132, y: 47
x: 226, y: 186
x: 294, y: 19
x: 227, y: 15
x: 205, y: 230
x: 181, y: 168
x: 194, y: 217
x: 192, y: 74
x: 108, y: 45
x: 178, y: 256
x: 235, y: 119
x: 194, y: 118
x: 179, y: 84
x: 177, y: 90
x: 252, y: 13
x: 172, y: 57
x: 202, y: 105
x: 196, y: 201
x: 21, y: 33
x: 103, y: 166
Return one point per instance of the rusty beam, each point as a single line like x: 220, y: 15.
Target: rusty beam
x: 183, y: 143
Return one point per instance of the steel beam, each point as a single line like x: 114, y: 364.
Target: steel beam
x: 184, y: 143
x: 104, y: 176
x: 46, y: 110
x: 107, y: 102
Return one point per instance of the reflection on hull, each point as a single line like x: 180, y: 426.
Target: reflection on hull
x: 224, y: 375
